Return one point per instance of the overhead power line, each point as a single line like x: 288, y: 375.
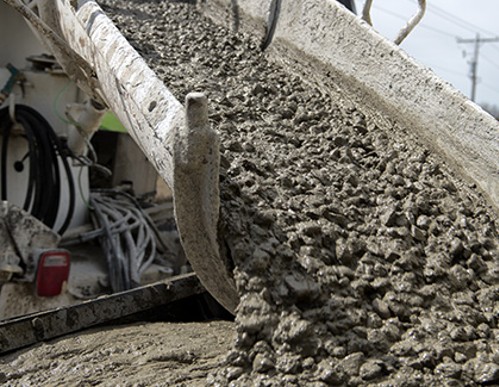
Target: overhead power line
x: 445, y: 25
x: 447, y: 70
x: 445, y: 14
x: 491, y: 88
x: 490, y: 61
x: 420, y: 25
x: 494, y: 47
x: 477, y: 41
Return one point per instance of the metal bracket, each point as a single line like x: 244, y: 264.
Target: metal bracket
x: 15, y: 76
x: 406, y: 30
x: 197, y: 199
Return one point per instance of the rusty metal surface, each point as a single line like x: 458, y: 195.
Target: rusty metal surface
x: 27, y: 330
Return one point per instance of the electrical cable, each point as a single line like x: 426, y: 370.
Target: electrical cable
x: 274, y: 11
x: 90, y: 162
x: 5, y: 145
x: 447, y: 70
x: 57, y: 101
x: 490, y: 87
x: 493, y: 45
x: 44, y: 181
x: 449, y: 18
x: 490, y: 61
x: 444, y: 14
x: 127, y: 235
x: 420, y: 25
x: 31, y: 173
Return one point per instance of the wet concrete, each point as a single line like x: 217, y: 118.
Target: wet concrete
x: 135, y: 355
x: 359, y: 258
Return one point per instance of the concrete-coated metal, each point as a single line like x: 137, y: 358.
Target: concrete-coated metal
x: 182, y: 148
x: 27, y: 330
x: 322, y: 36
x: 197, y: 199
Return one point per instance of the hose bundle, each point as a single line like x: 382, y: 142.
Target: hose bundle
x: 127, y: 235
x: 43, y: 193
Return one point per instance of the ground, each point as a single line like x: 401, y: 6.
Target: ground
x: 159, y: 354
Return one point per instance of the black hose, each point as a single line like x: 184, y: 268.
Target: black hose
x: 349, y: 4
x: 5, y: 144
x: 44, y: 181
x: 32, y: 173
x: 274, y: 11
x: 72, y: 192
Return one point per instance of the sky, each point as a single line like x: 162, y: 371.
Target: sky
x: 434, y: 44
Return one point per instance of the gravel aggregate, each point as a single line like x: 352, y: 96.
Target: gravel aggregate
x: 360, y: 259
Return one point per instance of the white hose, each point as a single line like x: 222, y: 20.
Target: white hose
x: 127, y: 237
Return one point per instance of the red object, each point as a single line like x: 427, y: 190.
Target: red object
x: 53, y: 271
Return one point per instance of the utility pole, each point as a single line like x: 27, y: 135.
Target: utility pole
x: 474, y: 62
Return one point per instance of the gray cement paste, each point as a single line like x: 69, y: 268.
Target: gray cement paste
x: 359, y: 258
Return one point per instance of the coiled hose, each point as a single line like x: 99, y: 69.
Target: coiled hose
x: 44, y: 181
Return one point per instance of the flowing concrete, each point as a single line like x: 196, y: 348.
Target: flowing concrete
x: 376, y: 73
